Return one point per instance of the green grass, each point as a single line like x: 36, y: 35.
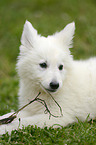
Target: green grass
x: 47, y: 16
x: 75, y: 134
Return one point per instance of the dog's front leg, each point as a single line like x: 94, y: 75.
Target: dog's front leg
x: 41, y: 120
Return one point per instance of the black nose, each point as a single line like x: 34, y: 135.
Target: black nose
x: 54, y: 85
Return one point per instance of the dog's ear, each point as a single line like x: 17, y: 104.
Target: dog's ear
x: 29, y: 35
x: 66, y: 35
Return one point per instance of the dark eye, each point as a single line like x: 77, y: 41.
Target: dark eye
x: 61, y: 67
x: 43, y: 65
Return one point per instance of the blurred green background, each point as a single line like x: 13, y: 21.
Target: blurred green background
x: 47, y: 16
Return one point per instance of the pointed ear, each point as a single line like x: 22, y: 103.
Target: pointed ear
x: 29, y: 35
x: 66, y: 35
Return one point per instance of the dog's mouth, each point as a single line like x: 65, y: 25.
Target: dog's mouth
x: 48, y: 89
x: 51, y: 90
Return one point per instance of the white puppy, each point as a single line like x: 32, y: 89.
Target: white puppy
x: 45, y: 63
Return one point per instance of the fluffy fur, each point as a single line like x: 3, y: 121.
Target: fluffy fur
x: 47, y: 62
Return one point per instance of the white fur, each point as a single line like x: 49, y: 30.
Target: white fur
x: 77, y: 81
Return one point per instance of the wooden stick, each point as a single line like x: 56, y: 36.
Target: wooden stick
x: 14, y: 115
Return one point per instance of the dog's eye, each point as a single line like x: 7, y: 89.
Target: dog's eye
x: 60, y: 67
x: 43, y: 65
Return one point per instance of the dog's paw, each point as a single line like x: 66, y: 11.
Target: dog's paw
x: 9, y: 127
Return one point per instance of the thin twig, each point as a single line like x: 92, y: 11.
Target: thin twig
x: 26, y: 105
x: 14, y: 115
x: 54, y: 101
x: 57, y: 104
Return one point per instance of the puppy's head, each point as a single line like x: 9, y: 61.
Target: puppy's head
x: 45, y: 61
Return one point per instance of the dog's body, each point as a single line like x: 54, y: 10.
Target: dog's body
x: 46, y: 64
